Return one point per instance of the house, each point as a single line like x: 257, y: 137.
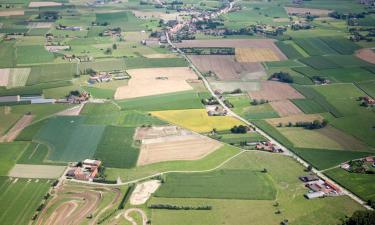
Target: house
x: 88, y: 170
x: 312, y: 195
x: 345, y: 166
x: 369, y: 159
x: 92, y: 162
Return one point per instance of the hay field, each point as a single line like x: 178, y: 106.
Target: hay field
x: 12, y: 13
x: 226, y: 68
x: 366, y: 54
x: 285, y: 108
x: 275, y: 91
x: 153, y: 81
x: 4, y: 77
x: 36, y: 171
x: 170, y: 143
x: 40, y: 25
x: 234, y: 43
x: 303, y: 11
x: 14, y: 77
x: 197, y: 120
x: 229, y: 86
x: 248, y: 55
x: 43, y: 4
x: 160, y: 56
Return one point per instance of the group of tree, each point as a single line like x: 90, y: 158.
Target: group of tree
x: 361, y: 218
x: 210, y: 101
x: 241, y: 129
x: 177, y: 207
x: 258, y: 102
x: 316, y: 124
x: 282, y: 76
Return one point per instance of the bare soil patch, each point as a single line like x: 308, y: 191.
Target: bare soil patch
x: 12, y: 13
x: 17, y: 128
x: 160, y: 56
x: 275, y: 91
x: 36, y: 171
x: 226, y: 68
x: 249, y: 55
x: 366, y: 54
x: 285, y: 108
x: 74, y: 111
x: 303, y: 11
x: 295, y: 118
x: 143, y: 191
x: 4, y: 77
x: 234, y: 43
x: 43, y: 4
x: 153, y: 81
x: 167, y: 143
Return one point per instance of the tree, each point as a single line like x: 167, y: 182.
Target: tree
x: 114, y: 46
x: 361, y: 218
x: 309, y: 168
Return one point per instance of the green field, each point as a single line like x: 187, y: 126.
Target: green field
x: 340, y: 45
x: 289, y: 50
x: 314, y: 46
x: 220, y: 184
x: 140, y: 62
x: 69, y: 139
x: 235, y: 139
x: 30, y: 54
x: 308, y: 106
x: 363, y: 185
x: 35, y: 153
x: 116, y: 148
x: 10, y: 152
x: 368, y: 87
x: 52, y: 72
x: 22, y: 198
x: 7, y: 54
x: 324, y: 159
x: 124, y: 19
x: 173, y: 101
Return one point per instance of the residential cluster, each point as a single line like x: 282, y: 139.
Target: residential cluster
x: 319, y: 188
x: 86, y: 170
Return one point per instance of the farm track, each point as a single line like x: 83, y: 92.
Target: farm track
x: 130, y: 219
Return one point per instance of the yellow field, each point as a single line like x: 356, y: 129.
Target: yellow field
x: 197, y: 120
x: 245, y: 55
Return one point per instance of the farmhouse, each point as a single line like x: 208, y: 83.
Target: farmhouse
x: 318, y: 187
x: 72, y: 28
x: 88, y: 170
x: 216, y: 110
x: 268, y: 146
x: 367, y: 101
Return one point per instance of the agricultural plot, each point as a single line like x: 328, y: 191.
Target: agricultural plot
x: 248, y: 55
x: 35, y: 153
x: 173, y: 101
x: 235, y: 139
x: 348, y: 75
x: 363, y: 185
x: 274, y: 91
x: 43, y: 4
x: 64, y: 137
x: 308, y: 106
x: 7, y: 54
x: 125, y: 20
x: 170, y: 143
x: 31, y: 54
x: 10, y: 152
x: 164, y: 80
x: 341, y: 45
x: 12, y: 13
x: 324, y: 159
x: 314, y: 46
x: 366, y: 54
x: 229, y: 86
x: 36, y: 171
x: 17, y: 128
x: 294, y: 119
x: 221, y: 184
x: 51, y: 72
x: 14, y: 77
x: 289, y: 50
x: 226, y: 68
x: 368, y: 87
x: 23, y: 196
x: 197, y: 120
x: 303, y: 11
x: 116, y: 148
x: 140, y: 62
x: 285, y: 108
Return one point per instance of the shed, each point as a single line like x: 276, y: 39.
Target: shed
x: 312, y: 195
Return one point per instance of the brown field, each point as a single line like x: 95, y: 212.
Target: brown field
x: 275, y: 91
x: 234, y: 43
x: 4, y: 77
x: 169, y: 143
x: 12, y: 13
x: 36, y: 171
x: 285, y: 108
x: 160, y: 56
x: 153, y: 81
x: 367, y: 55
x: 72, y: 204
x: 17, y: 128
x: 249, y: 55
x: 226, y: 68
x: 43, y: 4
x: 300, y: 11
x: 294, y: 118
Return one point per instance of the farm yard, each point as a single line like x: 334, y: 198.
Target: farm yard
x: 133, y: 112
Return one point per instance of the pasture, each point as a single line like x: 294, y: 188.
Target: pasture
x: 116, y: 148
x: 23, y: 196
x: 314, y: 46
x: 197, y: 120
x: 220, y: 184
x: 308, y: 106
x: 31, y: 54
x: 140, y: 62
x: 368, y: 87
x: 64, y: 135
x: 51, y: 72
x: 10, y: 152
x: 35, y: 153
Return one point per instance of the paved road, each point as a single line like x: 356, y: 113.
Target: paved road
x: 272, y: 140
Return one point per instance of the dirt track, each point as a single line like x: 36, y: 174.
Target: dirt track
x: 17, y: 128
x: 130, y: 219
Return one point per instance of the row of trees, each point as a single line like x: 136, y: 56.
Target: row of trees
x: 177, y: 207
x: 316, y: 124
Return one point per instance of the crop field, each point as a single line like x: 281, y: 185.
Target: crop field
x: 363, y: 185
x: 51, y: 72
x: 229, y: 86
x: 303, y: 11
x: 340, y: 45
x: 30, y: 54
x: 308, y: 106
x: 7, y: 54
x: 238, y: 138
x: 248, y: 55
x: 164, y: 80
x: 14, y: 77
x: 284, y: 172
x: 221, y: 184
x: 16, y: 129
x: 35, y: 153
x: 126, y: 20
x: 139, y: 62
x: 173, y: 101
x: 23, y: 196
x: 324, y: 159
x: 64, y: 136
x: 116, y: 149
x: 226, y: 68
x: 274, y: 91
x: 314, y: 46
x: 319, y: 62
x: 294, y: 119
x: 348, y: 75
x: 36, y: 171
x: 197, y: 120
x: 289, y: 50
x: 368, y: 87
x: 285, y: 108
x: 10, y: 152
x: 367, y: 55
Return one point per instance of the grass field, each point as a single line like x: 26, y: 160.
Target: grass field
x: 35, y: 153
x: 197, y: 120
x: 284, y: 173
x: 289, y: 50
x: 7, y: 54
x: 140, y: 62
x: 28, y: 133
x: 52, y: 72
x: 340, y: 45
x: 30, y: 54
x: 314, y: 46
x: 124, y: 19
x: 10, y: 152
x: 231, y: 138
x: 116, y: 149
x: 220, y: 184
x: 173, y: 101
x: 22, y: 198
x: 363, y: 185
x: 64, y: 136
x: 324, y: 159
x: 368, y: 87
x: 308, y: 106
